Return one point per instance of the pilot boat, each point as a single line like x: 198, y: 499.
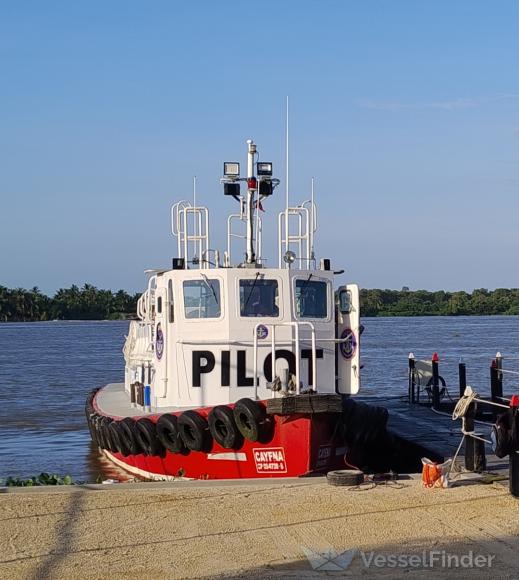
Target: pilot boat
x: 235, y: 369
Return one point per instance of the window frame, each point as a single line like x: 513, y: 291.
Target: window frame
x: 279, y: 283
x: 329, y: 302
x: 220, y: 302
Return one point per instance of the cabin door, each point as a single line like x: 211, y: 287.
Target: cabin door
x: 348, y: 332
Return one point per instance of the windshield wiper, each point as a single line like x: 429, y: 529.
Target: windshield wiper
x: 250, y: 291
x: 210, y: 286
x: 303, y: 286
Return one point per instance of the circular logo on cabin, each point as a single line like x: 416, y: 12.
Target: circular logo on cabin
x: 262, y: 332
x: 349, y: 346
x: 159, y: 342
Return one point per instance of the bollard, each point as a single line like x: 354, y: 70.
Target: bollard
x: 462, y: 374
x: 410, y: 392
x: 513, y: 466
x: 435, y: 382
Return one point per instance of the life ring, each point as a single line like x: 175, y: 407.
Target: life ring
x: 194, y: 431
x: 146, y: 435
x: 249, y: 417
x: 128, y: 433
x: 168, y: 433
x: 223, y: 427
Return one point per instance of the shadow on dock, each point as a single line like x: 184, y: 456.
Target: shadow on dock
x: 66, y: 536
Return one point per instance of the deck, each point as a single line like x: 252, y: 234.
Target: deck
x: 114, y: 401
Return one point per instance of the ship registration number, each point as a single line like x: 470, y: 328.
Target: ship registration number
x: 270, y: 460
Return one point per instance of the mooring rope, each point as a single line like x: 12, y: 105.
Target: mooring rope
x: 508, y: 371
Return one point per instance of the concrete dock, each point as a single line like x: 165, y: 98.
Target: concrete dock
x: 298, y: 528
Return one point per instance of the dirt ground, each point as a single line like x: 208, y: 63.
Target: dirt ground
x: 263, y: 530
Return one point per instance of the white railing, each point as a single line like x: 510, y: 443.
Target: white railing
x: 297, y: 353
x: 182, y: 213
x: 306, y: 225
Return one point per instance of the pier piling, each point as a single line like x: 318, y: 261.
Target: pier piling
x: 462, y: 374
x: 513, y: 465
x: 435, y: 381
x: 496, y: 381
x: 411, y: 377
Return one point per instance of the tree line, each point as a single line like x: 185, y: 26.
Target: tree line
x: 405, y: 302
x: 91, y: 303
x: 74, y: 303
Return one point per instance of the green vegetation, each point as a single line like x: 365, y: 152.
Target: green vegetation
x: 87, y: 303
x: 90, y: 303
x: 423, y: 303
x: 42, y: 479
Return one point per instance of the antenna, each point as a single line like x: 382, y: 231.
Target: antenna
x: 194, y: 216
x: 311, y: 232
x: 286, y: 180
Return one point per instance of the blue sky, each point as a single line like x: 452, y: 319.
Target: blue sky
x: 406, y: 113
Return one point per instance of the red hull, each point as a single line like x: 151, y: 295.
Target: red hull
x: 298, y: 445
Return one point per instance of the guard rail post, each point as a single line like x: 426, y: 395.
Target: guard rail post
x: 435, y: 382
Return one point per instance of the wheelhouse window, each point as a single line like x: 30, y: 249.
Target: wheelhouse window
x: 259, y: 297
x: 202, y: 298
x: 311, y: 299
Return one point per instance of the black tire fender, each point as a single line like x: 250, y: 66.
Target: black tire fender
x: 169, y: 434
x: 346, y: 477
x: 96, y: 425
x: 92, y: 426
x: 249, y: 417
x: 194, y: 431
x: 223, y: 427
x: 128, y: 432
x: 146, y: 434
x: 115, y: 436
x: 108, y: 441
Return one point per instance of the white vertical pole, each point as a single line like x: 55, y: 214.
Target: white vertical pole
x: 311, y: 225
x: 286, y: 181
x: 250, y: 201
x: 194, y: 218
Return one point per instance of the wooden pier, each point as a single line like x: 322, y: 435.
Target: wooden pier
x: 433, y: 432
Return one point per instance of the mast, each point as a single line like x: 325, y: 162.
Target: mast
x: 251, y: 188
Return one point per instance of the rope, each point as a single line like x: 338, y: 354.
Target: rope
x: 464, y: 403
x: 507, y: 371
x: 461, y: 408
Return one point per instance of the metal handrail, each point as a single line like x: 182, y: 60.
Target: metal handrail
x: 295, y: 339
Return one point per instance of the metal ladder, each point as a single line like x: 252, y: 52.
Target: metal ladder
x: 303, y: 239
x: 192, y: 242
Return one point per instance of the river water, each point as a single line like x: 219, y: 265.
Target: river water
x: 48, y: 368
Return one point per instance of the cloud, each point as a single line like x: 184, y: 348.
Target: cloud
x: 448, y: 105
